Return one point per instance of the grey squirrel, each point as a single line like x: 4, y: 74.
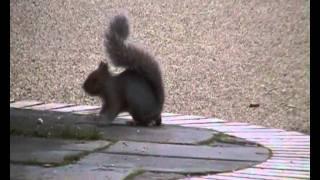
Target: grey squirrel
x: 138, y: 89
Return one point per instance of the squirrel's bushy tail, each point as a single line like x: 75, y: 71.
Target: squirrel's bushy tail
x: 131, y: 57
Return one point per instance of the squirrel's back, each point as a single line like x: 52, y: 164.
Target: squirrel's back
x: 129, y: 56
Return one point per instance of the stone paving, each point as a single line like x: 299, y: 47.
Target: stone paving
x: 47, y: 145
x: 68, y: 141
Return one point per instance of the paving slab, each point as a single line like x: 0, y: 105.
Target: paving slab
x: 42, y: 150
x: 257, y: 154
x: 26, y: 119
x: 163, y: 164
x: 158, y: 176
x: 70, y: 172
x: 165, y: 152
x: 162, y: 134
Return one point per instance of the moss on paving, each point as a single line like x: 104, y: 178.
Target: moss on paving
x: 224, y: 138
x: 134, y: 174
x: 68, y: 159
x: 219, y: 137
x: 66, y: 132
x: 83, y: 134
x: 209, y: 141
x: 73, y: 158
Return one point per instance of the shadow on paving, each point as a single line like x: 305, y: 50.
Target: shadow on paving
x: 75, y: 146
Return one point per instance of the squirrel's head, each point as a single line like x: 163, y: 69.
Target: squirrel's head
x: 95, y: 83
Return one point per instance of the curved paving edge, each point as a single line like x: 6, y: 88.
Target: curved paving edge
x: 290, y: 150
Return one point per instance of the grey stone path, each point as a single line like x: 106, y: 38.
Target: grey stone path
x: 53, y: 149
x: 289, y: 151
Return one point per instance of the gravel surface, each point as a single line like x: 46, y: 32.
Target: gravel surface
x: 217, y: 57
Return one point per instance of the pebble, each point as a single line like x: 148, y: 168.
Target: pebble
x: 40, y: 121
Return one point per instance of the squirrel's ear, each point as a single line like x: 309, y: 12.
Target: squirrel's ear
x: 103, y: 65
